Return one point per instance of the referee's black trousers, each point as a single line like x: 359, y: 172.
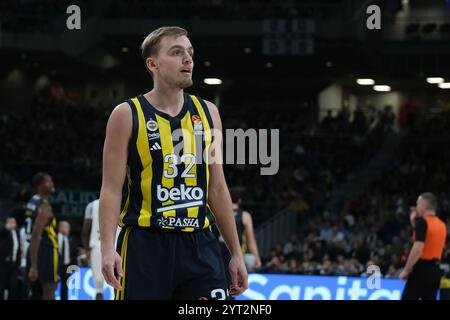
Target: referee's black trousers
x: 423, y: 282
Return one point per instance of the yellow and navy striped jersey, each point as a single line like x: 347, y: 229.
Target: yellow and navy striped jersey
x: 48, y: 237
x: 167, y: 172
x: 240, y: 228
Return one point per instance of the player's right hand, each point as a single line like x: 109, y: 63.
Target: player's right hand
x: 239, y: 276
x: 33, y: 274
x: 88, y: 255
x: 258, y: 264
x: 111, y: 261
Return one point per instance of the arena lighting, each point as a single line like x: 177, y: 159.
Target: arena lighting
x: 124, y: 49
x: 382, y: 88
x: 365, y: 82
x: 212, y: 81
x: 434, y: 80
x: 444, y: 85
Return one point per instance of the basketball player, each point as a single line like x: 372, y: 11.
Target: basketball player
x: 40, y: 222
x: 244, y: 226
x: 422, y: 270
x: 90, y: 235
x: 166, y: 249
x: 91, y: 242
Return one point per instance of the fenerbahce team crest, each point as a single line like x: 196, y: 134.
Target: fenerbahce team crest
x: 152, y: 126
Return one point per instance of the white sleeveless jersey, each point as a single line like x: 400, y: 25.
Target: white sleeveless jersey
x: 92, y: 212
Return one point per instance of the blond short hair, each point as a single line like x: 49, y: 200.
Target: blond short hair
x: 151, y: 44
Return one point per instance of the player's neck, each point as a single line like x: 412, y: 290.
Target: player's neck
x: 167, y: 99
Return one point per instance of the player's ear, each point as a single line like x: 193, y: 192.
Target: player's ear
x: 150, y: 63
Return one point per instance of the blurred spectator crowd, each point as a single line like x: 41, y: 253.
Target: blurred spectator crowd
x: 66, y: 136
x: 373, y: 227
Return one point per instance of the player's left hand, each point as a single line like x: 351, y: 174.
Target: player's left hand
x: 258, y: 264
x: 33, y: 274
x: 239, y: 276
x: 404, y: 275
x: 88, y: 256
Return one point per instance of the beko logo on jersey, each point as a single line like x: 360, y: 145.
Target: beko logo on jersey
x: 152, y: 136
x: 178, y: 222
x: 177, y: 194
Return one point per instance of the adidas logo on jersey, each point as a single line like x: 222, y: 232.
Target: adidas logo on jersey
x: 155, y: 146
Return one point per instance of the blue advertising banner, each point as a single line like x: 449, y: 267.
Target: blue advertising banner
x: 273, y: 287
x: 299, y: 287
x: 82, y: 287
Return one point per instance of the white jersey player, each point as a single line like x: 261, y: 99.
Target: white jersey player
x: 91, y: 242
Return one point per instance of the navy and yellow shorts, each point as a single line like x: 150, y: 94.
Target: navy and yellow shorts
x: 164, y: 265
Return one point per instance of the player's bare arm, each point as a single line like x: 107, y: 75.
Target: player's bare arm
x: 115, y: 151
x: 43, y: 218
x: 85, y: 232
x: 220, y: 202
x: 250, y: 236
